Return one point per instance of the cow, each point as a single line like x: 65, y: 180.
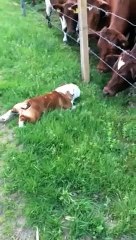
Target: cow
x: 96, y: 16
x: 117, y: 30
x: 49, y: 8
x: 68, y: 18
x: 125, y: 68
x: 68, y: 13
x: 33, y: 2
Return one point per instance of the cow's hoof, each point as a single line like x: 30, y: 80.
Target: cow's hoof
x: 49, y: 25
x: 65, y: 40
x: 78, y: 40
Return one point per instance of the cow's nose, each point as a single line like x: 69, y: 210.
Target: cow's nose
x: 70, y: 32
x: 105, y: 92
x: 108, y: 92
x: 102, y: 68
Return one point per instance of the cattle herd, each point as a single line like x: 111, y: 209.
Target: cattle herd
x: 112, y: 23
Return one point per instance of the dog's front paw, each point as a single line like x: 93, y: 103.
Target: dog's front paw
x: 73, y: 107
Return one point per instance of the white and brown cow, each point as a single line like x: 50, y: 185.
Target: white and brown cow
x: 67, y: 18
x: 117, y: 29
x: 125, y: 66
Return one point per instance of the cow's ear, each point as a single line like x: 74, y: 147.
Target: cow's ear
x: 104, y: 5
x: 111, y: 59
x: 92, y: 33
x: 58, y: 7
x: 74, y: 8
x: 122, y: 40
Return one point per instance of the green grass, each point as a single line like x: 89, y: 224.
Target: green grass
x: 76, y: 170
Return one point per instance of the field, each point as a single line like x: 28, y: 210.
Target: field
x: 75, y: 169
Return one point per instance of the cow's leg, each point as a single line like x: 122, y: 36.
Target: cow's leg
x: 77, y: 31
x: 65, y: 39
x: 7, y: 116
x: 23, y: 7
x: 64, y: 28
x: 48, y: 12
x: 33, y: 3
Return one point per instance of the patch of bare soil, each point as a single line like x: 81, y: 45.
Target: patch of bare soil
x: 12, y: 221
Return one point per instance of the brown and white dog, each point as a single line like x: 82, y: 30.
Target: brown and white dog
x: 31, y: 109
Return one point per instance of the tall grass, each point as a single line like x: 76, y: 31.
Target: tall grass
x: 77, y: 168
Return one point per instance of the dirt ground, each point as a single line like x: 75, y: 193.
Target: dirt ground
x: 12, y: 221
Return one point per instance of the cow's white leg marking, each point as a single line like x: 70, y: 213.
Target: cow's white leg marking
x: 121, y: 63
x: 7, y: 116
x: 77, y: 31
x: 64, y: 27
x: 78, y: 39
x: 77, y: 27
x: 48, y: 7
x: 63, y: 23
x: 65, y: 39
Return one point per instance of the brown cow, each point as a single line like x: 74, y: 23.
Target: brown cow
x: 117, y: 29
x: 49, y: 8
x: 96, y: 18
x: 69, y: 18
x: 126, y: 67
x: 33, y: 2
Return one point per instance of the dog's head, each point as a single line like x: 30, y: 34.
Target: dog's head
x: 71, y: 89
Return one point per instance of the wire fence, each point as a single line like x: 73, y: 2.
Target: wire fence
x: 111, y: 13
x: 89, y: 49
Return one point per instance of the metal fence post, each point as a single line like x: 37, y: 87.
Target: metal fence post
x: 23, y: 7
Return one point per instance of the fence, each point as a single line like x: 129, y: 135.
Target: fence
x: 86, y: 50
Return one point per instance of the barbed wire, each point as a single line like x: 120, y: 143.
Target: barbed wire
x: 91, y: 51
x: 113, y: 44
x: 66, y: 33
x: 98, y: 34
x: 66, y: 15
x: 108, y: 12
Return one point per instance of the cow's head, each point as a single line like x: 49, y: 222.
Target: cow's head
x: 125, y: 67
x: 70, y: 16
x: 106, y: 48
x: 97, y: 15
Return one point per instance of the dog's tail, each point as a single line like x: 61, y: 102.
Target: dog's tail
x: 7, y: 116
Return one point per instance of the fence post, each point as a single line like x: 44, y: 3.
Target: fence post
x: 23, y: 7
x: 83, y: 34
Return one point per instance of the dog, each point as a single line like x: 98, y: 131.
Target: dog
x: 31, y: 109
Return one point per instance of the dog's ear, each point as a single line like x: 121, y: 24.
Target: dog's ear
x: 70, y: 96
